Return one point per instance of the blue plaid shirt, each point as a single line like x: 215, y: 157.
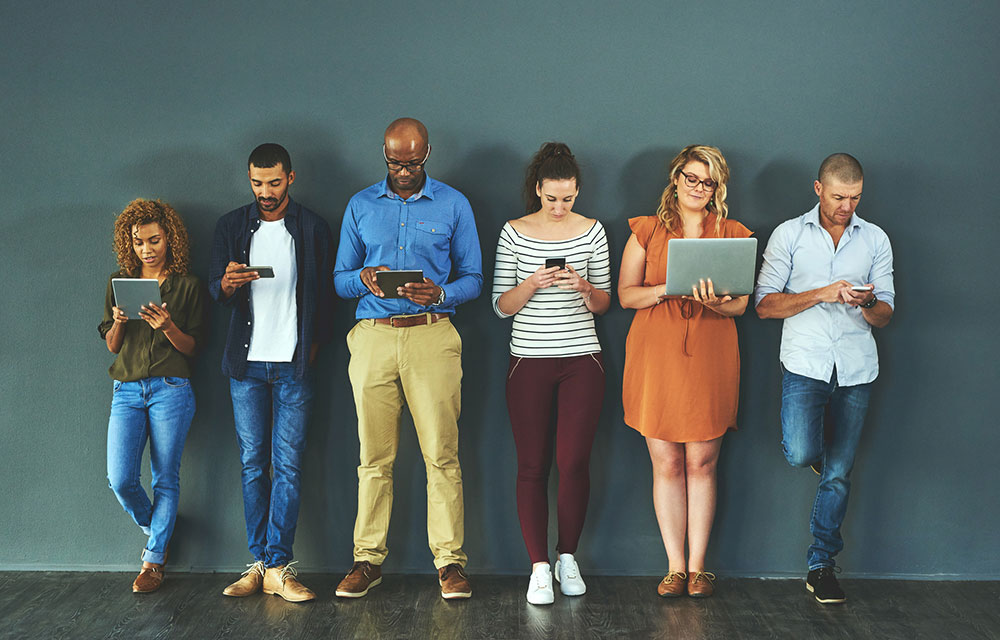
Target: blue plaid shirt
x: 313, y: 291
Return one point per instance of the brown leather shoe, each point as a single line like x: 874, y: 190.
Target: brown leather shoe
x: 362, y: 577
x: 249, y: 584
x: 282, y: 581
x: 672, y: 584
x: 149, y: 579
x: 700, y: 584
x: 454, y: 582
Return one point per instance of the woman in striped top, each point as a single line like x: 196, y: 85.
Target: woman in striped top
x: 553, y: 274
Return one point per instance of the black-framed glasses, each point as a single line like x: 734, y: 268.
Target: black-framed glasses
x: 692, y: 181
x: 411, y: 167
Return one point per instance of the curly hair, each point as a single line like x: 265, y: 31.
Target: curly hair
x: 668, y: 211
x: 142, y: 211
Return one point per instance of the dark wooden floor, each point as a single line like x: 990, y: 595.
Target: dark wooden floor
x: 101, y: 605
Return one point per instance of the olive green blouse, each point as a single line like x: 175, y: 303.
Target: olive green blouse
x: 146, y: 352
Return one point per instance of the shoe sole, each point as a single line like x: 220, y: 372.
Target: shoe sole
x: 456, y: 596
x: 359, y: 594
x: 287, y: 599
x: 811, y: 590
x: 669, y: 595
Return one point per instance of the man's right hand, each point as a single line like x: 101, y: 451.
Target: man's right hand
x: 233, y: 279
x: 833, y: 292
x: 367, y: 276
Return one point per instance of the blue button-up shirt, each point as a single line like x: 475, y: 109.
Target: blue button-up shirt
x: 800, y: 256
x: 432, y: 230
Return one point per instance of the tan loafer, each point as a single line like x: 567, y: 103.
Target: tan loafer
x: 149, y: 579
x: 672, y: 585
x: 700, y: 584
x: 282, y: 581
x: 454, y: 582
x: 249, y: 583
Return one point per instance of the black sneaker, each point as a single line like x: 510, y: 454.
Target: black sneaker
x: 823, y: 584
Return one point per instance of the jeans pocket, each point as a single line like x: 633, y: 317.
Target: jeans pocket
x: 171, y: 381
x: 513, y: 368
x: 597, y: 361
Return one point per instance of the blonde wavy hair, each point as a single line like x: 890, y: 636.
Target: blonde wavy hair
x: 142, y: 211
x: 668, y: 211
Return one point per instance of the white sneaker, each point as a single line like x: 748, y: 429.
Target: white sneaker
x: 540, y: 585
x: 568, y: 576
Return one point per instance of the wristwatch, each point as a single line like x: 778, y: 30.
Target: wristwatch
x: 440, y: 300
x: 867, y: 305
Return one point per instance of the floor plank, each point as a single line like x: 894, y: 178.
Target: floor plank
x: 68, y: 605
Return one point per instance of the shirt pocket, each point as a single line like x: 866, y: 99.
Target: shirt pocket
x: 432, y: 238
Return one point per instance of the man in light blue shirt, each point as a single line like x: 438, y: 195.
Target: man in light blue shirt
x: 404, y: 349
x: 828, y: 274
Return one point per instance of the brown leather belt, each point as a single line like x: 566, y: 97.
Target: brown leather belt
x: 412, y: 321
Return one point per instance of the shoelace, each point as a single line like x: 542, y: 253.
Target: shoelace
x: 707, y: 575
x: 669, y: 578
x: 288, y: 571
x: 541, y: 579
x: 570, y: 570
x: 255, y: 566
x: 449, y: 569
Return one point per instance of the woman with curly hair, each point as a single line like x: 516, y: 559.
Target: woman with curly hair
x: 152, y: 396
x: 682, y: 363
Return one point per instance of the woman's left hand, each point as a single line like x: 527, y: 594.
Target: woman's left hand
x: 706, y: 295
x: 156, y: 316
x: 570, y: 280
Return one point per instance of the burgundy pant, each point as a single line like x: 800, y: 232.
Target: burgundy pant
x: 567, y: 393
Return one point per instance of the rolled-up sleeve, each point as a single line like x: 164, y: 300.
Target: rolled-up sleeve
x: 881, y: 272
x: 776, y: 267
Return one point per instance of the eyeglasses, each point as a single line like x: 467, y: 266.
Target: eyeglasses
x: 692, y: 181
x: 411, y: 167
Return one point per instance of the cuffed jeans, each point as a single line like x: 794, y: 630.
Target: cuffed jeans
x: 421, y: 366
x: 803, y: 402
x: 160, y: 410
x: 270, y: 409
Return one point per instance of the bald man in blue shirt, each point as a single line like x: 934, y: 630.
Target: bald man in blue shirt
x: 828, y: 275
x: 404, y: 349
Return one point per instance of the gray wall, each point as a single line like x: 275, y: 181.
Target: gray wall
x: 104, y: 102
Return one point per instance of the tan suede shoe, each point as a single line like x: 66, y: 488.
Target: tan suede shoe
x: 454, y: 582
x: 249, y: 584
x: 362, y: 577
x: 672, y: 585
x: 149, y: 579
x: 281, y: 581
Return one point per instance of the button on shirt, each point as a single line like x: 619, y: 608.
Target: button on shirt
x: 433, y: 230
x: 800, y: 256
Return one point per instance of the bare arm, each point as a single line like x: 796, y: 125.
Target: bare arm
x: 631, y: 292
x: 786, y: 305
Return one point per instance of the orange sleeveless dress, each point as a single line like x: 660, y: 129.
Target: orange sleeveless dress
x: 682, y: 361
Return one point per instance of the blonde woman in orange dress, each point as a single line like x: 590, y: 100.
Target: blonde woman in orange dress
x: 682, y: 363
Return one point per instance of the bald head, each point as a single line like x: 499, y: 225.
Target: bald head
x: 406, y: 136
x: 842, y: 168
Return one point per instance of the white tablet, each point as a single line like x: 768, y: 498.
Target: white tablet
x: 729, y: 262
x: 132, y: 293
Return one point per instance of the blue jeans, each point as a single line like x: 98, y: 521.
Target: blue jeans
x: 270, y: 408
x: 161, y: 410
x: 803, y: 403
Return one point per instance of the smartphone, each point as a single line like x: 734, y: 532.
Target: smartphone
x: 861, y: 289
x: 263, y: 272
x: 555, y: 262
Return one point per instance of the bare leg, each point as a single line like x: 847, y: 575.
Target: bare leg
x: 701, y: 461
x: 670, y: 498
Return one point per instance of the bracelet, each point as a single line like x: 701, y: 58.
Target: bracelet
x: 870, y: 303
x: 589, y: 296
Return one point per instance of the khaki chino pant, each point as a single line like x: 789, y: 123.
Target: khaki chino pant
x: 421, y: 366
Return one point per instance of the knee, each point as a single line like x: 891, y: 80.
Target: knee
x: 701, y: 467
x: 672, y: 468
x: 122, y: 484
x: 799, y: 456
x: 573, y: 466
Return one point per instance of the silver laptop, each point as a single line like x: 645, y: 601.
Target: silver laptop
x: 729, y: 262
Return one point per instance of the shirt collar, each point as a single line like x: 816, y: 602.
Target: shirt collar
x: 426, y: 191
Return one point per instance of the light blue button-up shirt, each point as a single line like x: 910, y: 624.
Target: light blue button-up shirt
x: 800, y: 256
x: 433, y: 230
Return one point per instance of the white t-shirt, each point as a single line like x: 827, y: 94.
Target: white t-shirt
x: 272, y: 300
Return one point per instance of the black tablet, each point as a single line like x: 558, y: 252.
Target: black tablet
x: 389, y: 281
